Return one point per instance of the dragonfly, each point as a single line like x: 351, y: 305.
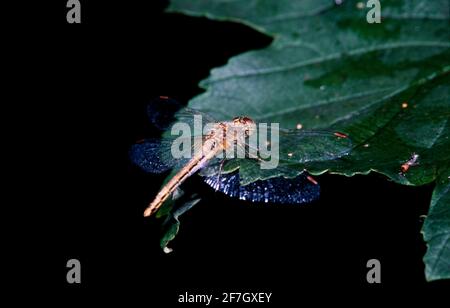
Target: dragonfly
x: 295, y: 147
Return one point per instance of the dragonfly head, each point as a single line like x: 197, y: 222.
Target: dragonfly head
x: 247, y: 123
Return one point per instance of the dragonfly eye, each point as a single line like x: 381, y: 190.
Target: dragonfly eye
x: 243, y: 120
x: 247, y: 123
x: 237, y: 120
x: 247, y: 120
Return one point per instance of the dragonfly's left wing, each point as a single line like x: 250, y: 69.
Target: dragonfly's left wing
x: 165, y: 112
x: 275, y: 190
x: 156, y: 155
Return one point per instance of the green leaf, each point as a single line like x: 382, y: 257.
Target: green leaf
x: 171, y: 224
x: 436, y: 229
x: 386, y: 85
x: 338, y: 72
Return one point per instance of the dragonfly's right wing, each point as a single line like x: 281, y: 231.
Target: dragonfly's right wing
x: 303, y: 146
x: 281, y: 190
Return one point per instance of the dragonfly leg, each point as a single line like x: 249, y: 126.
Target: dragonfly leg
x: 253, y: 148
x: 220, y: 173
x: 247, y: 154
x: 258, y: 158
x: 312, y: 180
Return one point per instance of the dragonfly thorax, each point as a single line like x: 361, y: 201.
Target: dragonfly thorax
x: 246, y: 124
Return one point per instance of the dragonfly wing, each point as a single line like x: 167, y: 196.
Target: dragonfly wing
x: 302, y: 146
x: 281, y: 190
x: 219, y: 165
x: 164, y: 112
x: 161, y: 111
x: 149, y: 156
x: 157, y: 155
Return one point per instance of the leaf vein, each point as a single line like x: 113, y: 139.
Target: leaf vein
x: 331, y: 57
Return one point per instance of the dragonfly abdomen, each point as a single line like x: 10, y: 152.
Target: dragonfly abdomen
x: 196, y: 163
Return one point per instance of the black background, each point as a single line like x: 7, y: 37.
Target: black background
x: 92, y: 82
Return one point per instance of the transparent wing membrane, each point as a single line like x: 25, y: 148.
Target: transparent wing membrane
x: 161, y: 111
x: 302, y: 146
x: 165, y: 112
x: 280, y: 190
x: 196, y: 120
x: 155, y: 155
